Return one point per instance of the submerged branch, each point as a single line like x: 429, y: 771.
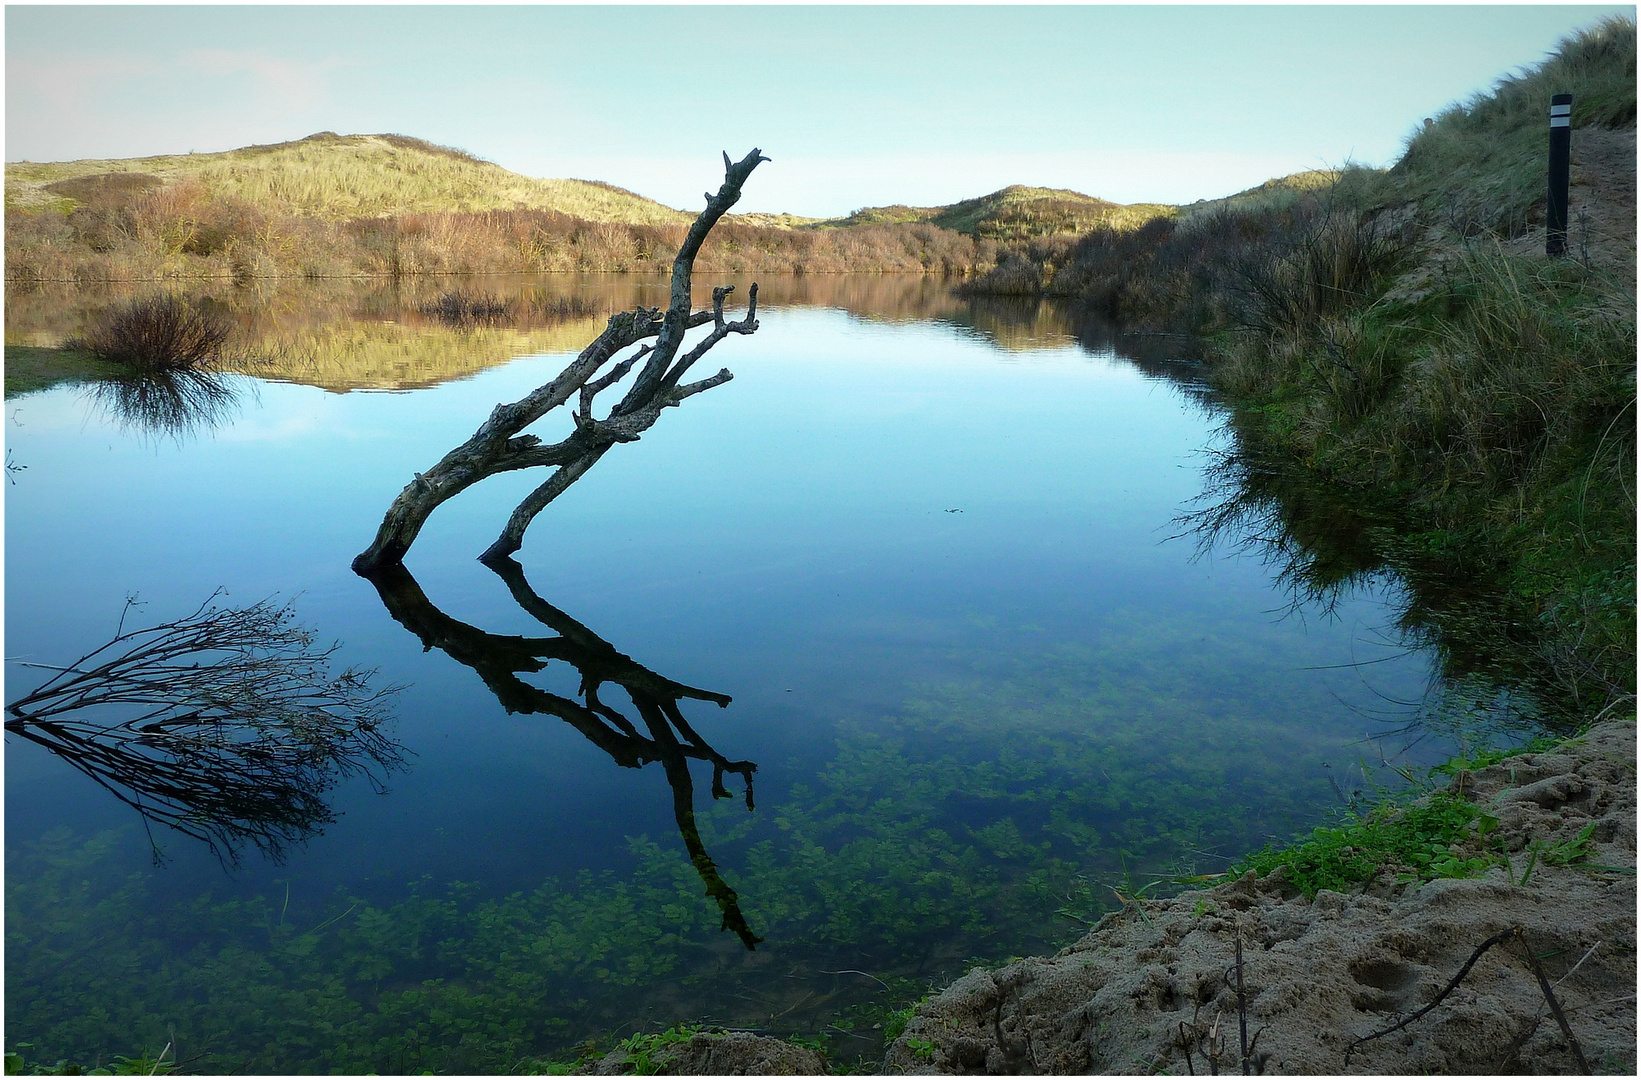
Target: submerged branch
x: 225, y: 725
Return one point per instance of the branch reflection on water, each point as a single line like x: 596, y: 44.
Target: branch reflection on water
x: 667, y: 736
x: 225, y: 725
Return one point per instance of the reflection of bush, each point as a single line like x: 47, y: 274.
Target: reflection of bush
x: 457, y: 307
x: 173, y: 403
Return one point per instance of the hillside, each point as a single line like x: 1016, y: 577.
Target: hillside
x: 1015, y: 213
x: 332, y: 177
x: 1280, y: 191
x: 344, y: 205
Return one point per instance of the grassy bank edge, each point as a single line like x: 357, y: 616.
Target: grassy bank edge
x: 31, y: 368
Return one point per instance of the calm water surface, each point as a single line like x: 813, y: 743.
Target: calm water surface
x: 924, y: 549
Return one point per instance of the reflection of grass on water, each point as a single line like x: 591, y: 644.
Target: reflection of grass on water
x: 369, y: 334
x: 953, y: 831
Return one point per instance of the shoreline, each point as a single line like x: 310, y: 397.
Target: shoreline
x: 1140, y: 992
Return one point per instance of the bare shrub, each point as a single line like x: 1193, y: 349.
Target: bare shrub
x: 457, y: 307
x: 225, y: 725
x: 158, y: 333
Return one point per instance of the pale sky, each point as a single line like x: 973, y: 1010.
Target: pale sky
x: 856, y: 105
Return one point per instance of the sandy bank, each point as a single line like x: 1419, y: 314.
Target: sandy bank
x: 1141, y: 995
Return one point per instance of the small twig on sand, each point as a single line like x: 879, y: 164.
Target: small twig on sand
x: 1555, y: 1006
x: 1241, y: 1001
x: 1502, y: 936
x: 1538, y: 973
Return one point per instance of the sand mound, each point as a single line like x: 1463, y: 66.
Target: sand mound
x: 1135, y: 993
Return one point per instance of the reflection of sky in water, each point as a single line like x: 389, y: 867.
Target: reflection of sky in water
x: 869, y: 521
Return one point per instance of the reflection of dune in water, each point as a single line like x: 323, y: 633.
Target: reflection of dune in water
x: 371, y: 333
x: 397, y: 356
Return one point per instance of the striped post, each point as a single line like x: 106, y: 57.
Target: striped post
x: 1561, y: 144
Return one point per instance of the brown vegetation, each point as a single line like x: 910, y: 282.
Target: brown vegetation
x: 158, y: 333
x: 387, y: 205
x: 184, y: 232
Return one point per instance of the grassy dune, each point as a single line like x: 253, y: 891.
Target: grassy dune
x: 1015, y: 213
x: 336, y: 206
x: 333, y: 178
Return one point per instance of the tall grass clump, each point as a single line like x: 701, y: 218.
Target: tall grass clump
x: 1325, y: 260
x: 158, y: 334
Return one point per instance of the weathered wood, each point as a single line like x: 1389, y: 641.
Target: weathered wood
x: 498, y: 446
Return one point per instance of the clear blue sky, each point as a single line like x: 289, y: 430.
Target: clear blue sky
x: 856, y: 105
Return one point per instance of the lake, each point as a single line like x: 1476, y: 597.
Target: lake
x: 934, y: 553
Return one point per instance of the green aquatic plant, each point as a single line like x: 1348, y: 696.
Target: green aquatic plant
x: 641, y: 1049
x: 1444, y: 836
x: 940, y: 836
x: 1482, y: 758
x: 118, y: 1065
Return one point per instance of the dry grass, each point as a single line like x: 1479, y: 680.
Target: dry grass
x: 334, y: 178
x: 1480, y: 166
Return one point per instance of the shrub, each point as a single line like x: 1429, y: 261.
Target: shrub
x: 156, y: 334
x: 458, y: 307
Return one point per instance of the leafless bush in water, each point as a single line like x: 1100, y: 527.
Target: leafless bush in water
x: 158, y: 333
x: 225, y: 725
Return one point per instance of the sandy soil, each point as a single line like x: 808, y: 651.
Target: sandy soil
x: 1600, y: 204
x: 1142, y: 995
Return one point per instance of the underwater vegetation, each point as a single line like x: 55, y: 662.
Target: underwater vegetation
x: 500, y: 660
x: 980, y: 821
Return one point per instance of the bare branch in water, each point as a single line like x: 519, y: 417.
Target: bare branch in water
x: 225, y: 725
x: 500, y: 445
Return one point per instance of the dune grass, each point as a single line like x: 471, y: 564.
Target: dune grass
x: 1479, y: 167
x: 336, y: 177
x: 1015, y: 213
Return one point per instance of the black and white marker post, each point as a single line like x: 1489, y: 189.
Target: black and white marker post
x: 1561, y: 143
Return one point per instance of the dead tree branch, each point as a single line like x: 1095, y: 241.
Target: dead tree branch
x: 225, y: 725
x: 500, y: 445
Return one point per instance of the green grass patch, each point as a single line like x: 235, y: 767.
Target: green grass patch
x: 33, y: 367
x: 1444, y: 837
